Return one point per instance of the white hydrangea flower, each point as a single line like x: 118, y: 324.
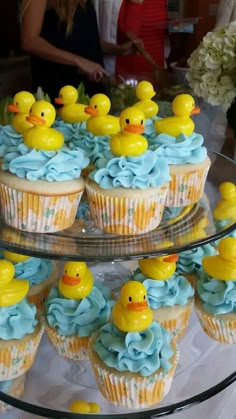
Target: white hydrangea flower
x: 212, y: 67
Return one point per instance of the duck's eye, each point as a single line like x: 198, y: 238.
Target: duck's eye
x: 16, y: 103
x: 142, y: 122
x: 130, y: 298
x: 77, y: 275
x: 60, y: 95
x: 144, y: 297
x: 30, y: 110
x: 127, y: 121
x: 65, y: 271
x: 42, y: 113
x: 95, y: 106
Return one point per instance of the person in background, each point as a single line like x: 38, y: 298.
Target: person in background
x: 226, y: 12
x: 63, y: 41
x: 146, y: 19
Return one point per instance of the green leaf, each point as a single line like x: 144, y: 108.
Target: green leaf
x: 82, y: 96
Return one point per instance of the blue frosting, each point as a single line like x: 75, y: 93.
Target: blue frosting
x: 35, y: 270
x: 218, y: 297
x: 69, y: 131
x: 17, y: 320
x: 175, y: 290
x: 144, y: 352
x: 141, y: 172
x: 190, y: 261
x: 33, y: 165
x: 149, y: 129
x: 179, y: 150
x: 8, y: 137
x: 79, y: 317
x: 171, y: 212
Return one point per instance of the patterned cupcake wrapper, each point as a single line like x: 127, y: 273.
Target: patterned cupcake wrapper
x: 38, y: 293
x: 38, y: 299
x: 177, y: 327
x: 71, y: 347
x: 18, y: 357
x: 222, y: 330
x: 186, y: 188
x: 16, y: 390
x: 134, y: 393
x: 37, y: 213
x: 126, y: 216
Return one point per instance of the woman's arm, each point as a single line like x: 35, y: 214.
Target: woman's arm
x: 224, y: 12
x: 32, y: 42
x: 109, y: 48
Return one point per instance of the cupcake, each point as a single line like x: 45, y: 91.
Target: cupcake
x: 132, y: 356
x: 14, y: 388
x: 183, y: 150
x: 216, y: 293
x: 190, y: 261
x: 127, y: 190
x: 42, y: 274
x: 169, y: 294
x: 75, y: 309
x: 41, y: 183
x: 20, y: 331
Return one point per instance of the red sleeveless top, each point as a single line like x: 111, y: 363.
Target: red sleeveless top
x: 148, y: 22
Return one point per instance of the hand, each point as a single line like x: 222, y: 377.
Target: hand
x: 94, y: 71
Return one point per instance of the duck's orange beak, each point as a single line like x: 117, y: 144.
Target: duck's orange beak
x: 13, y: 108
x: 35, y: 120
x: 195, y: 110
x: 70, y: 280
x: 58, y: 101
x: 139, y: 306
x: 171, y: 258
x: 90, y: 110
x: 134, y: 128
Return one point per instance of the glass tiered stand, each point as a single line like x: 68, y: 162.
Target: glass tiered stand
x: 206, y: 367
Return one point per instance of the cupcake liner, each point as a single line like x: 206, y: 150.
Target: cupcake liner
x: 218, y: 328
x: 16, y: 390
x: 71, y: 347
x: 38, y: 213
x: 17, y: 356
x: 126, y: 215
x: 177, y: 326
x: 187, y: 187
x: 132, y: 390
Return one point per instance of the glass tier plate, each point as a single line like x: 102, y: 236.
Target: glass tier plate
x: 83, y: 241
x: 205, y: 368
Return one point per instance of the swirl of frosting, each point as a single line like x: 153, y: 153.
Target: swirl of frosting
x: 94, y: 146
x: 141, y: 172
x: 18, y: 320
x: 33, y: 165
x: 179, y: 150
x: 190, y: 261
x: 8, y: 137
x: 79, y: 317
x: 142, y: 353
x: 69, y: 131
x: 149, y: 128
x: 175, y: 290
x: 218, y: 297
x: 5, y: 385
x: 35, y: 270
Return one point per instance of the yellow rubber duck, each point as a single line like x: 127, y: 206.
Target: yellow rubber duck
x: 77, y: 281
x: 226, y: 207
x: 12, y: 290
x: 41, y: 136
x: 131, y: 312
x: 81, y: 406
x: 129, y: 142
x: 71, y: 111
x: 14, y: 257
x: 21, y: 106
x: 195, y: 233
x: 144, y: 92
x: 159, y: 268
x: 100, y: 123
x: 183, y: 106
x: 222, y: 266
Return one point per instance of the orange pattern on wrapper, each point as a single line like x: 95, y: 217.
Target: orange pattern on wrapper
x: 143, y: 215
x: 33, y: 203
x: 153, y: 395
x: 6, y: 358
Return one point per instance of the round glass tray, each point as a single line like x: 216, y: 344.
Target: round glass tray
x: 54, y: 382
x: 195, y: 226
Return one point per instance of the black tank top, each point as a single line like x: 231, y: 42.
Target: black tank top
x: 83, y: 40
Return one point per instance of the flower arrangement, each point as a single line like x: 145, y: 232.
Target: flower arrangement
x: 212, y: 67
